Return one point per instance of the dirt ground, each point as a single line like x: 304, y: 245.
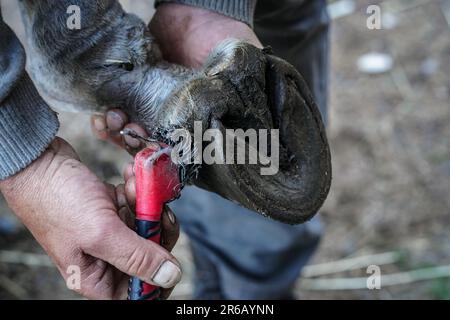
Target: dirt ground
x: 390, y: 140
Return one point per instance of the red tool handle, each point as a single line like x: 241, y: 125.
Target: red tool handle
x: 157, y: 183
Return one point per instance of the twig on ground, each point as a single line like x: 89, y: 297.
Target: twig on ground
x: 386, y: 280
x: 445, y: 8
x: 12, y: 288
x: 350, y: 264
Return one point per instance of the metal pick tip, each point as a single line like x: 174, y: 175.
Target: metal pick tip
x: 131, y: 133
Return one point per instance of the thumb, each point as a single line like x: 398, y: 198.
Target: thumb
x: 135, y: 256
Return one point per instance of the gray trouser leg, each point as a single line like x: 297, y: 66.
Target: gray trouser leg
x: 297, y: 30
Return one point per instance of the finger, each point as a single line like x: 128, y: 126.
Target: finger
x: 99, y: 280
x: 130, y: 192
x: 132, y: 142
x: 112, y: 192
x: 127, y: 217
x: 133, y: 255
x: 170, y: 229
x: 121, y: 292
x: 116, y: 120
x: 124, y: 212
x: 165, y: 293
x: 121, y: 196
x: 128, y: 172
x: 99, y: 128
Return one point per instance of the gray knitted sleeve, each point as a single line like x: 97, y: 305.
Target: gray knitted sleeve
x: 242, y: 10
x: 27, y: 124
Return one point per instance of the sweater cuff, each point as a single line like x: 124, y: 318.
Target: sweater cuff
x: 27, y: 127
x: 242, y: 10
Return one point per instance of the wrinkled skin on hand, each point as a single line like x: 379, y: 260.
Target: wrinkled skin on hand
x: 114, y: 60
x: 81, y: 221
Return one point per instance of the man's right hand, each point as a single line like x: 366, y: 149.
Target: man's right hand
x: 83, y: 222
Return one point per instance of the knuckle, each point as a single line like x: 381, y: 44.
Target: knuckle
x: 137, y: 262
x: 142, y: 261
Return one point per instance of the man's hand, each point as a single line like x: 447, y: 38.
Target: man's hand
x: 187, y: 34
x: 108, y: 127
x: 80, y: 221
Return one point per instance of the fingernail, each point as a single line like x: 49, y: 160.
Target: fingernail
x: 133, y: 143
x: 115, y: 121
x: 168, y: 275
x: 171, y: 216
x: 99, y: 124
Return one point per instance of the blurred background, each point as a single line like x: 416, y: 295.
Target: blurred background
x: 390, y: 137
